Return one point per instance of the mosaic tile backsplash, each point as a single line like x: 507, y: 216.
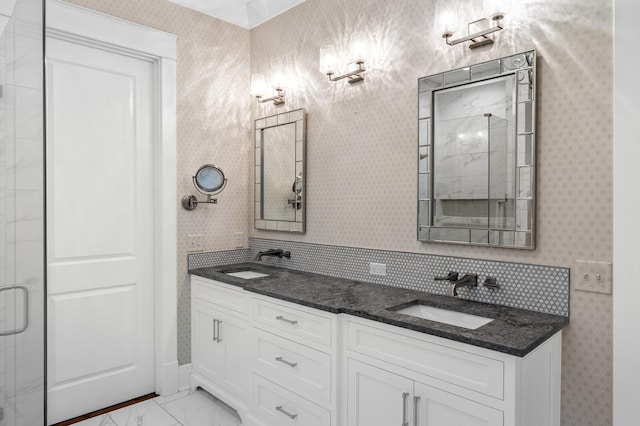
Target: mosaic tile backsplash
x: 532, y: 287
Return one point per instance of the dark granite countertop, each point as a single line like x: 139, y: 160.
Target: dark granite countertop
x: 513, y: 331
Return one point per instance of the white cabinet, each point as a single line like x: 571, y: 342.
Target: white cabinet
x: 430, y: 406
x: 377, y: 397
x: 294, y: 365
x: 401, y: 377
x: 284, y: 364
x: 220, y: 340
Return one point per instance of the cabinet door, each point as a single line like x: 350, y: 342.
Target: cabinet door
x: 434, y: 407
x: 208, y: 353
x: 376, y: 397
x: 234, y: 334
x: 219, y: 348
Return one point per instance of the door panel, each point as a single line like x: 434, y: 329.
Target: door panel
x: 375, y: 396
x: 208, y: 351
x: 438, y: 408
x: 100, y: 228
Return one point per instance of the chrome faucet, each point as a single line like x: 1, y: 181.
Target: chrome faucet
x: 274, y: 252
x: 468, y: 280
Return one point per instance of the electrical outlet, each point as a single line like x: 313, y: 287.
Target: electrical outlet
x: 195, y: 243
x: 377, y: 269
x: 239, y: 238
x: 591, y: 276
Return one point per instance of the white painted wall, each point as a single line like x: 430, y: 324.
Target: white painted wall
x: 626, y: 206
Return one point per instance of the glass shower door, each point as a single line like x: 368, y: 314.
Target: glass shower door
x: 22, y: 337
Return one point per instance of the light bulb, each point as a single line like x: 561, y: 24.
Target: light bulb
x: 328, y: 59
x: 496, y: 9
x: 446, y: 22
x: 258, y: 84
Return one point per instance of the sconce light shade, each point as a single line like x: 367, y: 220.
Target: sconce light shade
x: 358, y: 53
x: 259, y: 88
x: 479, y: 32
x: 496, y: 9
x: 258, y: 84
x: 277, y: 80
x: 328, y: 59
x: 359, y: 47
x: 446, y: 22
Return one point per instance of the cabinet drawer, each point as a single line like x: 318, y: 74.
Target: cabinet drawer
x: 475, y: 372
x: 276, y: 406
x: 298, y: 368
x: 221, y: 294
x: 297, y: 324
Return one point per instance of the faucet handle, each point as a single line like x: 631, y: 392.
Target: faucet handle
x: 491, y: 282
x: 451, y: 276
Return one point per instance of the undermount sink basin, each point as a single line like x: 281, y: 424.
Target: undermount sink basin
x: 247, y: 275
x: 459, y: 319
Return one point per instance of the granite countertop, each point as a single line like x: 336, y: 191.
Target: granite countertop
x: 513, y: 331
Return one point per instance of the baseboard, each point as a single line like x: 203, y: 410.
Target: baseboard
x: 169, y: 379
x: 184, y: 373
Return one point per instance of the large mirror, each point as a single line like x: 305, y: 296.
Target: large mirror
x: 476, y: 154
x: 279, y: 172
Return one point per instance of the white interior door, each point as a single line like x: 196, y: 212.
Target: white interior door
x: 100, y: 126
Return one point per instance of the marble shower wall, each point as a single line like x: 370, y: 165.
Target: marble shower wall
x: 22, y: 211
x: 213, y: 123
x: 361, y: 144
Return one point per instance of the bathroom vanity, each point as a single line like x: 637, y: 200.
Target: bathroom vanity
x: 294, y: 348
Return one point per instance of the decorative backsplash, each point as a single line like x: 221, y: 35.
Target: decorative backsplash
x: 533, y: 287
x: 217, y: 258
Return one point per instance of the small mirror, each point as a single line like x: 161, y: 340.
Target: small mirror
x: 279, y: 172
x: 209, y: 179
x: 476, y: 154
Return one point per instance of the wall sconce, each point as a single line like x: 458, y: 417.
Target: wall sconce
x: 477, y: 31
x: 358, y: 47
x: 259, y: 87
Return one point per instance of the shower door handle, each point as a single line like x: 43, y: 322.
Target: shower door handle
x: 25, y: 316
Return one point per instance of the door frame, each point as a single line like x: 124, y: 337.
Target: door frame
x: 73, y: 23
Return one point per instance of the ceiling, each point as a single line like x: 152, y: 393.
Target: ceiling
x: 244, y: 13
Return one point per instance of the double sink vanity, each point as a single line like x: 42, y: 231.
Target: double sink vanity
x: 285, y: 347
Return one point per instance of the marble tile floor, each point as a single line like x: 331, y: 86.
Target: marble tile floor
x: 181, y: 409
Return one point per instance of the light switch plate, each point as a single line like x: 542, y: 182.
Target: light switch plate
x: 195, y: 243
x: 239, y: 239
x: 591, y: 276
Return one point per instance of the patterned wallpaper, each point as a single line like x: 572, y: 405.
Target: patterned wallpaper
x: 361, y: 148
x: 362, y: 138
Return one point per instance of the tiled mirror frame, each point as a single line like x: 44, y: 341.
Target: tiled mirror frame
x: 298, y: 117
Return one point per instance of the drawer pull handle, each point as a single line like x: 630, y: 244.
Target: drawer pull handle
x: 283, y: 411
x: 284, y: 361
x: 416, y: 400
x: 216, y: 330
x: 281, y: 318
x: 405, y: 395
